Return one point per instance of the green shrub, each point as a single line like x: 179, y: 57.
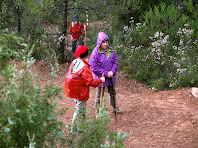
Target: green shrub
x: 26, y: 108
x: 96, y: 133
x: 165, y: 59
x: 166, y: 19
x: 9, y: 47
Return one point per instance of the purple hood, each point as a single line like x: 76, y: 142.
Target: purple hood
x: 101, y: 37
x: 100, y: 63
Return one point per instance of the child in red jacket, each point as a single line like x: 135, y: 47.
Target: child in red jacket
x: 75, y: 32
x: 78, y: 80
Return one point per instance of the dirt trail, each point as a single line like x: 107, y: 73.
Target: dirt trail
x: 165, y: 119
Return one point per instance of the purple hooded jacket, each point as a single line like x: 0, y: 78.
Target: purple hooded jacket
x: 100, y: 63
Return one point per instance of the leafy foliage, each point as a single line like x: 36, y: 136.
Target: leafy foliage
x: 166, y: 59
x: 94, y: 132
x: 9, y: 47
x: 27, y: 109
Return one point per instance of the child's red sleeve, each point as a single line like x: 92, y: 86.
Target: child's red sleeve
x: 82, y: 26
x: 70, y: 29
x: 88, y: 78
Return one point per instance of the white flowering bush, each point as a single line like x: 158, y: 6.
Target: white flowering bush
x: 163, y: 65
x: 165, y: 59
x: 185, y: 60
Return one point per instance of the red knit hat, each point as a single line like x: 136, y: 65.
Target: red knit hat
x: 80, y: 50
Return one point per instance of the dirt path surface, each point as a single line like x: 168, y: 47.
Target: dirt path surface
x: 165, y: 119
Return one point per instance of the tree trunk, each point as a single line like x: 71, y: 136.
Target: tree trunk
x: 194, y: 2
x: 61, y: 50
x: 0, y: 6
x: 65, y: 18
x: 18, y: 19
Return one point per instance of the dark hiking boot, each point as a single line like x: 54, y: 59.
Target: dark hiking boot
x: 117, y: 110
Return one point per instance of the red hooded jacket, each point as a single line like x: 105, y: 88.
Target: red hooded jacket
x: 78, y: 80
x: 76, y: 30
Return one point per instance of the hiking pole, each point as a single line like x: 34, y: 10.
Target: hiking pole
x: 101, y: 91
x: 85, y: 35
x: 114, y: 101
x: 86, y: 28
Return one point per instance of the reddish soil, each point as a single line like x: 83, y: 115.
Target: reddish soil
x: 164, y: 119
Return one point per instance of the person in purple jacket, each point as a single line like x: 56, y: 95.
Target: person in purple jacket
x: 103, y: 59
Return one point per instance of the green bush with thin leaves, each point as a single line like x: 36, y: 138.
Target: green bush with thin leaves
x: 162, y: 51
x: 27, y: 109
x: 95, y: 132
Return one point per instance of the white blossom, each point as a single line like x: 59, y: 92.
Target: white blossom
x: 176, y: 64
x: 165, y: 40
x: 161, y: 34
x: 179, y: 32
x: 181, y: 42
x: 7, y: 129
x: 155, y: 44
x: 184, y: 30
x: 151, y: 37
x: 174, y: 47
x: 156, y: 35
x: 180, y: 71
x: 138, y: 24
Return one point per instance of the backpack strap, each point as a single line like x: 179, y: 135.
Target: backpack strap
x: 77, y: 65
x: 73, y: 24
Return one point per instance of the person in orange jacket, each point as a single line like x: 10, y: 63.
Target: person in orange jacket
x: 75, y: 32
x: 78, y: 81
